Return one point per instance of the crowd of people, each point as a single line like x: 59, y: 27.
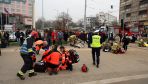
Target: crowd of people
x: 57, y: 58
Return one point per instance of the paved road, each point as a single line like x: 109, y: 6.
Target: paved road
x: 137, y: 81
x: 134, y: 62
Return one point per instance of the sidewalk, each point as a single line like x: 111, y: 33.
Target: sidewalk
x: 134, y: 62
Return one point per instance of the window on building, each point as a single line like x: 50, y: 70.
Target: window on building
x: 17, y: 10
x: 128, y: 6
x: 143, y: 12
x: 125, y: 0
x: 128, y: 15
x: 7, y: 1
x: 142, y: 2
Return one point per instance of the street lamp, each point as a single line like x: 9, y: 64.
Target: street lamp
x: 85, y: 15
x: 42, y: 14
x: 33, y: 14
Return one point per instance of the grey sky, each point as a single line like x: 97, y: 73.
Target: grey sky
x: 75, y: 7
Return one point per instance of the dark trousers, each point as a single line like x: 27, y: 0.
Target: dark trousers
x: 125, y: 47
x: 60, y: 42
x: 96, y: 55
x: 28, y: 63
x: 53, y: 42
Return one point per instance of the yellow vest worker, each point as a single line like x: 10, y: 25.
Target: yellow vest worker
x: 96, y: 46
x: 96, y: 41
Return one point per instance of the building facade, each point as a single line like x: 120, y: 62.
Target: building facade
x: 106, y: 18
x: 14, y: 11
x: 91, y: 21
x: 134, y: 13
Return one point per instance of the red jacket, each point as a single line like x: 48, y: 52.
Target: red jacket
x: 53, y: 58
x: 54, y: 36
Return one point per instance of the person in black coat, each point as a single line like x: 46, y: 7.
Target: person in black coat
x: 22, y: 35
x: 125, y: 41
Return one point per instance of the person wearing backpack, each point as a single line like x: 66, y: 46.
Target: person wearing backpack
x: 96, y: 46
x: 66, y: 62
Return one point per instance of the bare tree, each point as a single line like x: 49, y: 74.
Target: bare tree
x: 62, y: 21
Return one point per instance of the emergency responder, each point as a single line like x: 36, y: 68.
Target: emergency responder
x: 53, y: 60
x: 27, y: 53
x: 96, y: 46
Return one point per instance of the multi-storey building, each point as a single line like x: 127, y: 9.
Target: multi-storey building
x: 134, y: 13
x: 106, y: 18
x: 14, y: 11
x: 91, y: 21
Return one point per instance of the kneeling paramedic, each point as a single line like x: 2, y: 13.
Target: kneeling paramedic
x: 53, y: 60
x: 96, y: 46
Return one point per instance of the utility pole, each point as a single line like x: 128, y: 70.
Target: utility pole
x: 1, y: 20
x: 33, y: 14
x: 67, y: 19
x: 42, y: 14
x: 85, y: 15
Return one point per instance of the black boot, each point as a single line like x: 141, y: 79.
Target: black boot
x: 97, y: 65
x: 32, y: 74
x: 20, y: 76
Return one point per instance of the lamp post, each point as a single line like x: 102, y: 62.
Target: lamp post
x: 33, y: 14
x: 42, y: 14
x: 85, y: 15
x: 1, y: 20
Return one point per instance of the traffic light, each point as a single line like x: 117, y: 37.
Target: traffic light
x: 122, y: 23
x: 111, y: 6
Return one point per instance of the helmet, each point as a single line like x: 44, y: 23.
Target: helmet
x: 39, y: 42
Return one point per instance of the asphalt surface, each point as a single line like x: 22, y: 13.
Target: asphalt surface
x: 133, y: 62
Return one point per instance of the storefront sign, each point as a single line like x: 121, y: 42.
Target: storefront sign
x: 28, y: 21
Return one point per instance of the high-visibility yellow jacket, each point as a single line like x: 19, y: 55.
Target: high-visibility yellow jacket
x: 96, y: 41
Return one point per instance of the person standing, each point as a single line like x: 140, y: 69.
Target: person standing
x: 96, y: 46
x: 22, y: 36
x: 54, y: 37
x: 17, y: 35
x: 89, y: 38
x: 125, y: 42
x: 6, y: 36
x: 60, y: 37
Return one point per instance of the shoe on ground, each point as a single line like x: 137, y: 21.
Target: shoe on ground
x: 50, y: 73
x: 20, y: 76
x: 94, y: 64
x: 55, y: 73
x: 97, y: 66
x: 32, y: 74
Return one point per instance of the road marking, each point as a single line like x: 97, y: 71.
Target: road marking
x: 116, y: 80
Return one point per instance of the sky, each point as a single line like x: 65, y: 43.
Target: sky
x: 75, y: 8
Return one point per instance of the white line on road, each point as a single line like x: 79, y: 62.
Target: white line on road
x: 115, y: 80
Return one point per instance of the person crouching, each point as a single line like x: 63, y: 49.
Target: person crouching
x: 53, y: 60
x: 66, y: 62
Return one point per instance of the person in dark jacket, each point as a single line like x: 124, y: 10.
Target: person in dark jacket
x: 6, y: 36
x: 22, y: 35
x: 125, y: 41
x: 89, y: 37
x: 27, y: 53
x: 65, y: 36
x: 17, y: 35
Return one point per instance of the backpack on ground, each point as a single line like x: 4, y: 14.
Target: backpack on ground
x: 74, y: 57
x: 84, y: 68
x: 40, y: 67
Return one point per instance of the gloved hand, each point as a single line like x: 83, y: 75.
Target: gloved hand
x: 33, y: 58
